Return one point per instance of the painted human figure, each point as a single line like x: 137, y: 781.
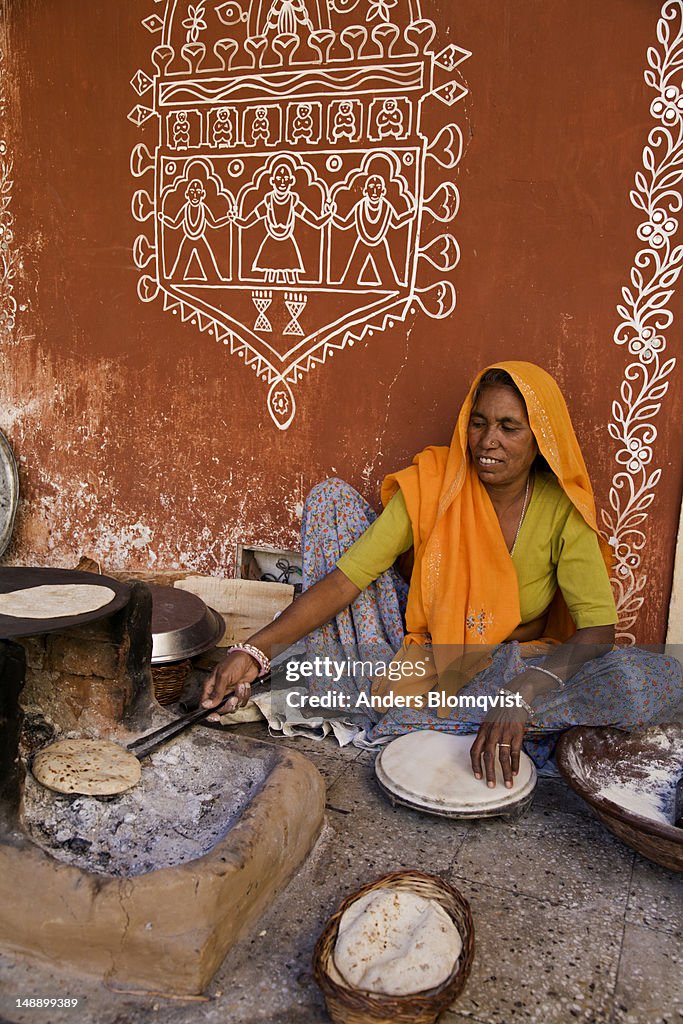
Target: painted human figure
x: 260, y: 128
x: 390, y: 120
x: 222, y: 129
x: 302, y: 124
x: 181, y: 130
x: 279, y: 256
x: 372, y: 216
x: 344, y: 125
x: 193, y: 217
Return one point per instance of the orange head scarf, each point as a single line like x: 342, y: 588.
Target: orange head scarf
x: 464, y: 588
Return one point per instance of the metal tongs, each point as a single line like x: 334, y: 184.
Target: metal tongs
x: 150, y: 741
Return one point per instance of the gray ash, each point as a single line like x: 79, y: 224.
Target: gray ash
x: 37, y: 732
x: 192, y: 791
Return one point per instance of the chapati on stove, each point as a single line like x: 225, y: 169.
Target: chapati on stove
x: 57, y: 600
x: 89, y: 767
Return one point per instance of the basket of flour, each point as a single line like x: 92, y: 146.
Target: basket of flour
x: 633, y: 782
x: 397, y: 951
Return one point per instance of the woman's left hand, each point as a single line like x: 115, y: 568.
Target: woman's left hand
x: 501, y: 732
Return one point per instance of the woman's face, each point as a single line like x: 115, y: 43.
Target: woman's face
x: 499, y: 437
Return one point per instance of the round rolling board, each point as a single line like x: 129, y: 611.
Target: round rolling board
x: 17, y: 578
x: 431, y: 771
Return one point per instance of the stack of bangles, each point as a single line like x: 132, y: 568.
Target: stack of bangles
x: 546, y: 672
x: 521, y: 703
x: 259, y: 657
x: 525, y: 704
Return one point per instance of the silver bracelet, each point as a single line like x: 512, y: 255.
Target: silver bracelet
x: 259, y: 657
x: 520, y: 702
x: 547, y: 672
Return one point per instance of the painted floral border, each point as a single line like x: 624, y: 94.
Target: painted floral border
x: 645, y: 319
x: 8, y: 255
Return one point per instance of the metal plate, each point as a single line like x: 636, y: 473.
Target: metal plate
x: 512, y: 811
x: 9, y: 492
x: 23, y: 577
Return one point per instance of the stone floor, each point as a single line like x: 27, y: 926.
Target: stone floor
x: 570, y: 924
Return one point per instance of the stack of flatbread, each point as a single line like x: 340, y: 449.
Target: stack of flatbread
x: 396, y: 943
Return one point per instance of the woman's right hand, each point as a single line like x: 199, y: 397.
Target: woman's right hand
x: 235, y: 673
x: 238, y: 670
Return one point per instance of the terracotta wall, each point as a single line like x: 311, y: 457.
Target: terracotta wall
x: 143, y: 442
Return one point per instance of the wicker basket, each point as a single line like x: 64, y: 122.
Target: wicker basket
x: 169, y: 680
x: 581, y: 755
x: 348, y: 1005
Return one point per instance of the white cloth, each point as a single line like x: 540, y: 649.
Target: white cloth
x: 292, y: 722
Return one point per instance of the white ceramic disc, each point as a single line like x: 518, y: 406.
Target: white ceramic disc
x: 433, y: 770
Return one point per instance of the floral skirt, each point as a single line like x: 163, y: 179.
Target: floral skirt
x: 629, y: 687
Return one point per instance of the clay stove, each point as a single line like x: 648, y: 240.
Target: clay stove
x: 138, y: 894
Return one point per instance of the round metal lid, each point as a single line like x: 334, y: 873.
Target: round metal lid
x: 182, y: 625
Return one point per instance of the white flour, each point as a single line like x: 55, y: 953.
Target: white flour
x: 646, y: 804
x: 645, y: 781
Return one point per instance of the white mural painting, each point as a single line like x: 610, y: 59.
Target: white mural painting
x: 298, y: 167
x: 645, y: 318
x: 8, y: 254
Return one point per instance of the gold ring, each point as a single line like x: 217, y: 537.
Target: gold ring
x: 504, y: 744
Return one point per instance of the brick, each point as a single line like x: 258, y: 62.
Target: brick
x: 108, y: 698
x: 75, y: 693
x: 36, y: 651
x: 84, y: 657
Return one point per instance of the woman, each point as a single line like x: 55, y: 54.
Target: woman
x: 509, y: 585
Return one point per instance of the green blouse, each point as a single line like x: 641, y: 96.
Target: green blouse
x: 555, y: 548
